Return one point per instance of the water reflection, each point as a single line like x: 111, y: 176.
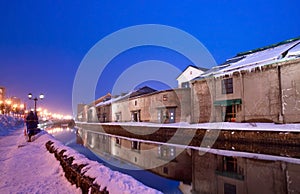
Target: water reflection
x: 69, y: 137
x: 198, y: 170
x: 207, y: 170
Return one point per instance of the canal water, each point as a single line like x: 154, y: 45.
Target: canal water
x: 238, y: 169
x: 69, y: 138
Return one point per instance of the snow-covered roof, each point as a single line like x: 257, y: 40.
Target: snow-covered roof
x: 294, y: 52
x: 138, y: 92
x: 112, y: 100
x: 258, y: 58
x: 195, y: 67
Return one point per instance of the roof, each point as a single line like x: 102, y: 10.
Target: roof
x: 199, y: 68
x: 138, y: 92
x: 112, y: 100
x: 268, y: 47
x: 257, y: 58
x: 141, y: 91
x: 294, y: 52
x: 102, y: 98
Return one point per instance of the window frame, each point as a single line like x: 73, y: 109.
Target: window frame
x: 227, y: 86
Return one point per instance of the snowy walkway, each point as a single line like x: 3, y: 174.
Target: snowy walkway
x: 29, y: 168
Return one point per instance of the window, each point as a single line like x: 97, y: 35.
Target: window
x: 118, y: 117
x: 135, y: 145
x: 166, y: 115
x: 118, y: 141
x: 165, y: 170
x: 171, y: 115
x: 104, y: 117
x: 166, y: 152
x: 227, y: 86
x: 165, y: 97
x: 185, y: 85
x: 229, y: 164
x: 135, y: 103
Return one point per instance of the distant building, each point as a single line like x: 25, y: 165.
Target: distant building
x: 189, y: 74
x: 257, y: 86
x: 15, y: 100
x: 2, y: 93
x: 167, y: 106
x: 142, y: 105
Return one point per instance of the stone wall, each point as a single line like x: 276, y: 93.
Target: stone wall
x: 148, y: 106
x: 201, y: 100
x: 261, y: 95
x: 290, y: 76
x: 73, y: 172
x: 268, y: 94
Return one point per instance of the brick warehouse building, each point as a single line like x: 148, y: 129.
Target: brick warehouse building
x: 259, y: 86
x: 262, y: 85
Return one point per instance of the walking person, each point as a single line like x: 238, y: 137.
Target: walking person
x: 32, y: 124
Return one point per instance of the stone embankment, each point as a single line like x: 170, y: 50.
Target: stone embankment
x: 74, y: 173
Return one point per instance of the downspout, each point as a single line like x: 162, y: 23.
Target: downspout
x: 243, y: 98
x: 281, y: 113
x: 192, y: 120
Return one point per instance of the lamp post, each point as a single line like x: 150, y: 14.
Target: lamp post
x: 41, y: 97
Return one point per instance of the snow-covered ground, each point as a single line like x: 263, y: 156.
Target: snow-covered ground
x: 27, y: 167
x: 213, y: 126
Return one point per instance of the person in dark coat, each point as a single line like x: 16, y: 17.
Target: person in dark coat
x: 32, y: 124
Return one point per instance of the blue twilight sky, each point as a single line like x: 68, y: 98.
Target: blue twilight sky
x: 42, y: 43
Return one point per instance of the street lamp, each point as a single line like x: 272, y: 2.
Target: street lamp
x: 41, y: 97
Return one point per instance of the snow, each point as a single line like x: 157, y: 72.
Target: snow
x: 114, y: 181
x: 259, y: 59
x: 112, y: 100
x: 8, y: 124
x: 295, y: 51
x: 213, y: 126
x: 27, y: 167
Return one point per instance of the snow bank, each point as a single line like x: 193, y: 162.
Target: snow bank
x: 212, y: 126
x: 26, y: 167
x: 107, y: 179
x: 8, y: 124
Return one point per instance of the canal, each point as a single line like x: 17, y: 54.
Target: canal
x: 69, y: 138
x: 238, y: 169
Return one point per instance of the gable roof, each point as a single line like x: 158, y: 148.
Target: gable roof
x: 141, y: 91
x: 199, y: 68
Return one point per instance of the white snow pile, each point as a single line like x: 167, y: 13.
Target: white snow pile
x: 8, y: 124
x: 114, y: 181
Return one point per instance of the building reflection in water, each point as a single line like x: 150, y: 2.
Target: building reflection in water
x: 223, y: 172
